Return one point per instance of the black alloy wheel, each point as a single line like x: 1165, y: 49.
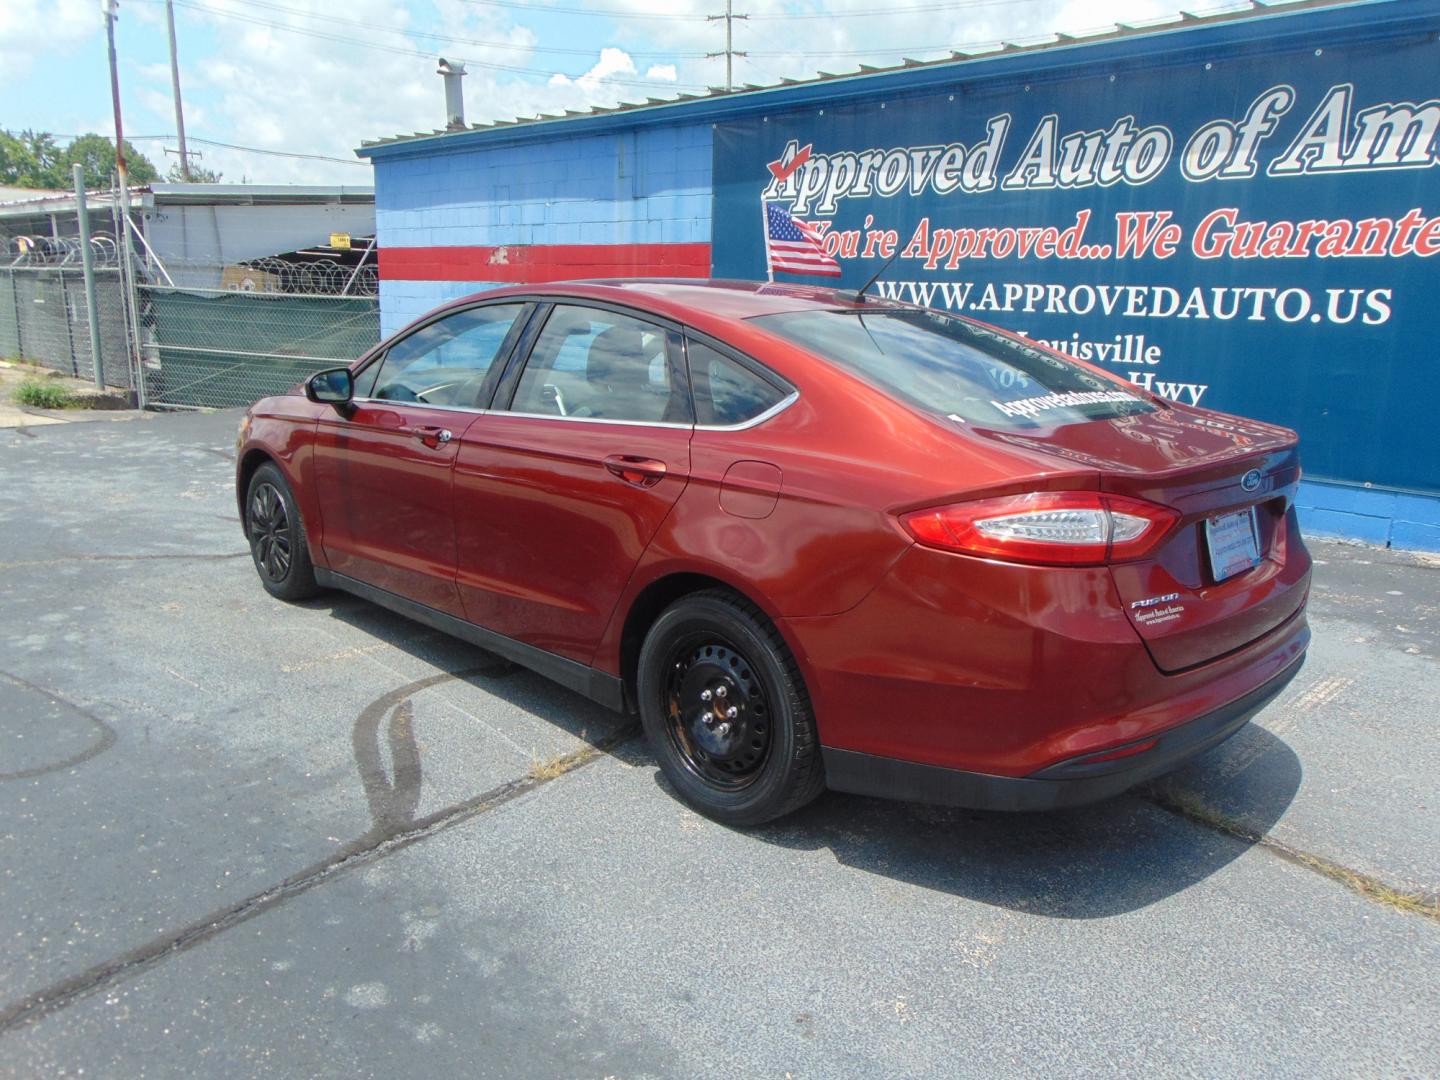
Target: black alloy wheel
x: 276, y: 532
x: 270, y: 534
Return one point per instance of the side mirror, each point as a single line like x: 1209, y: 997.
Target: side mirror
x: 333, y: 387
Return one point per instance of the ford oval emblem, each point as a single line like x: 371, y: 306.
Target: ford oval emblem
x: 1251, y: 480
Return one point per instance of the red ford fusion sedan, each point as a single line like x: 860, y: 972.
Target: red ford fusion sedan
x: 814, y: 539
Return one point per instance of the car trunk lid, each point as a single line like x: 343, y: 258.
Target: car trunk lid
x: 1198, y: 596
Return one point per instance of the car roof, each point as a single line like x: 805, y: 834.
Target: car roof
x: 686, y: 299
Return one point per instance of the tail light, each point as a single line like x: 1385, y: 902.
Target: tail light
x: 1069, y: 528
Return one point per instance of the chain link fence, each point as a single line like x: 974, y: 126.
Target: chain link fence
x: 209, y: 335
x: 228, y: 346
x: 44, y: 320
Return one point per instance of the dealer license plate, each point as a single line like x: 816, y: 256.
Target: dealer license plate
x: 1232, y: 541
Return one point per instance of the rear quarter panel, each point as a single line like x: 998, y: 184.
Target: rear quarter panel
x: 849, y: 459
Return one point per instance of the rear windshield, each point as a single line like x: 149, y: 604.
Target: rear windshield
x: 958, y: 369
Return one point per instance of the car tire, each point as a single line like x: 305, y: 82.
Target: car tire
x: 276, y: 533
x: 726, y: 712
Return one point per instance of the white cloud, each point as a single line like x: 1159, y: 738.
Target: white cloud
x: 310, y: 94
x: 322, y: 92
x: 155, y: 100
x: 300, y: 93
x: 612, y: 62
x: 1082, y: 15
x: 832, y: 40
x: 32, y: 30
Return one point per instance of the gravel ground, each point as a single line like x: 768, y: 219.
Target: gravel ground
x: 244, y: 838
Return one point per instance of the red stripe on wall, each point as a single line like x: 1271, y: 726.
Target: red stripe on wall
x: 544, y: 262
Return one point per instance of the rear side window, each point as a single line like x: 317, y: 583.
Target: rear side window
x: 444, y: 363
x: 589, y: 363
x: 727, y: 393
x: 959, y: 369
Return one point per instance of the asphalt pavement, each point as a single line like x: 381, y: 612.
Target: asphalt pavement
x: 245, y: 838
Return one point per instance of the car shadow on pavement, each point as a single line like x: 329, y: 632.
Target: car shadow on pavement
x: 450, y: 657
x: 1092, y: 862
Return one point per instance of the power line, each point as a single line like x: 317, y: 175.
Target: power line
x: 899, y: 9
x: 614, y: 13
x: 446, y: 38
x: 964, y: 46
x: 270, y: 153
x: 609, y: 13
x: 234, y: 146
x: 400, y: 51
x: 200, y: 6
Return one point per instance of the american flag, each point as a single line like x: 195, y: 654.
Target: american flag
x: 795, y: 246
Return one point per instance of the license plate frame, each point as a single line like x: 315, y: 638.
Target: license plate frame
x: 1233, y: 543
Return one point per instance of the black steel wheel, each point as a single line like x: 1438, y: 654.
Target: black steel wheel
x: 277, y: 536
x: 725, y: 709
x: 717, y: 712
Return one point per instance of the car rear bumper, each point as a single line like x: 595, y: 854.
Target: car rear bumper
x: 1073, y: 782
x: 1007, y: 670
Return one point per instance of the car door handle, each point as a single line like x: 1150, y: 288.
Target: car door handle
x: 640, y: 471
x: 431, y: 436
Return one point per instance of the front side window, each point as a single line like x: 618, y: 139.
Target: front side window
x: 445, y: 363
x: 957, y: 368
x: 589, y: 363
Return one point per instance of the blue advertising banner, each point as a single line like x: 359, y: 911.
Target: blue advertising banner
x: 1254, y: 231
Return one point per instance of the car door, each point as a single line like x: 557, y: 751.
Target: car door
x: 560, y: 487
x: 383, y: 466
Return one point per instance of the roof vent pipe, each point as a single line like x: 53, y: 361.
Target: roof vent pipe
x: 454, y: 99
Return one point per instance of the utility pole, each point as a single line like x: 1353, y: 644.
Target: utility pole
x: 729, y: 52
x: 107, y: 7
x: 122, y: 240
x: 175, y: 87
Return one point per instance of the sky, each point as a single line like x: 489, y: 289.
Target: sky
x: 315, y: 77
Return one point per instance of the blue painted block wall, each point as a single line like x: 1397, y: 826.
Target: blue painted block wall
x: 401, y: 302
x: 646, y: 186
x: 1378, y: 516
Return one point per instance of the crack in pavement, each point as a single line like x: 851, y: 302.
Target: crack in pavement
x: 382, y: 840
x: 106, y: 740
x: 1372, y: 888
x: 393, y: 800
x: 218, y: 557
